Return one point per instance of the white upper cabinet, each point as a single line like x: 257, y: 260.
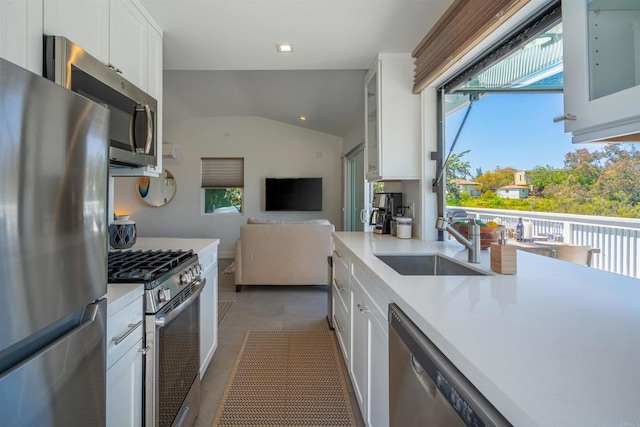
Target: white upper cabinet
x: 154, y: 61
x: 154, y: 83
x: 602, y: 69
x: 21, y: 33
x: 86, y: 23
x: 128, y: 41
x: 119, y: 33
x: 392, y: 119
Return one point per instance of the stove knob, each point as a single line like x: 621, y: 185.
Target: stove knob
x: 164, y: 295
x: 199, y: 267
x: 184, y: 279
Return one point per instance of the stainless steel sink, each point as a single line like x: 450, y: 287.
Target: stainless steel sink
x: 429, y: 265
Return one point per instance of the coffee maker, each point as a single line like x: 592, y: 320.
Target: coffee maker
x: 385, y: 207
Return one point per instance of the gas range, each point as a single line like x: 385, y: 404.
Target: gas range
x: 173, y: 283
x: 164, y: 273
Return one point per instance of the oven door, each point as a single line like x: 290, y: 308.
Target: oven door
x: 172, y: 367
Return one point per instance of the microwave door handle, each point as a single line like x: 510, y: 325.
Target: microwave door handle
x: 147, y: 145
x: 132, y: 130
x: 132, y: 127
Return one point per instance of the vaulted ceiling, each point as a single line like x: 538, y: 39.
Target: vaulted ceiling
x: 220, y: 56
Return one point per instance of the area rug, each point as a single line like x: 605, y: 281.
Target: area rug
x: 223, y: 309
x: 286, y: 379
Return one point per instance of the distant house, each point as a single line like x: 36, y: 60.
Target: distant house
x: 513, y: 191
x: 465, y: 186
x: 522, y: 178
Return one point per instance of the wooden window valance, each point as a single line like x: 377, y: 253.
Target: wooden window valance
x: 222, y: 172
x: 465, y: 24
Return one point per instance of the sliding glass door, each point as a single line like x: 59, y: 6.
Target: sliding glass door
x: 355, y: 190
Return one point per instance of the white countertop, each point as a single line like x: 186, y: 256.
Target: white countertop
x: 558, y: 344
x: 119, y: 295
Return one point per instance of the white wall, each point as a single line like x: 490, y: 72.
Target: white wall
x: 354, y: 137
x: 269, y: 148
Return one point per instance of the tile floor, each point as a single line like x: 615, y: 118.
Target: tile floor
x: 259, y: 308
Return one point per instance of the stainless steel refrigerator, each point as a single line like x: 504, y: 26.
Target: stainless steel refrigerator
x: 53, y: 253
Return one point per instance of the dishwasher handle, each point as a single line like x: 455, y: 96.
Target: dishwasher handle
x: 423, y: 378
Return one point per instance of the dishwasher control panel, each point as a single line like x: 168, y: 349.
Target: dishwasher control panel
x: 457, y: 402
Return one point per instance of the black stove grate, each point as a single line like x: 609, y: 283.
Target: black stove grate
x: 143, y: 266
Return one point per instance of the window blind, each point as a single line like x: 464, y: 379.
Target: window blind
x: 465, y: 24
x: 222, y: 172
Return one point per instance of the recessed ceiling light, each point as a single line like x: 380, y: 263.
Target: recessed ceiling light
x: 303, y: 118
x: 284, y: 47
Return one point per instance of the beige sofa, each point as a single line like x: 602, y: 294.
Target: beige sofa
x: 283, y: 253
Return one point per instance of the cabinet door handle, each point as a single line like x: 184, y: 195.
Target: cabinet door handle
x: 337, y: 253
x: 564, y: 117
x: 132, y: 327
x: 145, y: 350
x: 114, y: 68
x: 338, y: 285
x: 363, y: 308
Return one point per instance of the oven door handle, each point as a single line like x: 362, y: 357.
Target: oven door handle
x: 161, y: 321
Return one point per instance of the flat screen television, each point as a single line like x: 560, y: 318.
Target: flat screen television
x: 293, y: 194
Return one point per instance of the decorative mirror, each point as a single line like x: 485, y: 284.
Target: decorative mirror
x: 156, y: 191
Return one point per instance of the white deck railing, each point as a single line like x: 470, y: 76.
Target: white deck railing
x: 617, y: 238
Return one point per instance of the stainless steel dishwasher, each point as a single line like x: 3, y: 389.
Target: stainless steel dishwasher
x: 425, y: 388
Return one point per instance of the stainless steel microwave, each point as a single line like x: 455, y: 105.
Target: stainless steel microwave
x: 132, y: 122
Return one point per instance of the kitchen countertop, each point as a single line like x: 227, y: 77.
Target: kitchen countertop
x: 556, y: 344
x: 119, y: 295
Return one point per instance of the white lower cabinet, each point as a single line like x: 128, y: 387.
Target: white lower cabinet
x: 378, y: 375
x: 369, y: 355
x: 341, y: 323
x: 208, y: 257
x: 342, y: 300
x: 124, y: 389
x: 125, y: 374
x: 359, y: 348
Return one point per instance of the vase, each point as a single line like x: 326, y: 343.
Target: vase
x: 122, y: 233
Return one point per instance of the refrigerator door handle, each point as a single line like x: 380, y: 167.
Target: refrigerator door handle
x: 88, y: 317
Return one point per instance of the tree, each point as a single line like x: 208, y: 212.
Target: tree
x: 614, y: 153
x: 620, y: 181
x: 584, y: 166
x: 456, y: 169
x: 603, y: 182
x: 495, y: 179
x: 541, y: 176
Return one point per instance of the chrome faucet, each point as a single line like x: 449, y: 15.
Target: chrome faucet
x: 473, y: 243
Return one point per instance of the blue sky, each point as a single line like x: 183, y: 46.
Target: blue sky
x: 514, y: 130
